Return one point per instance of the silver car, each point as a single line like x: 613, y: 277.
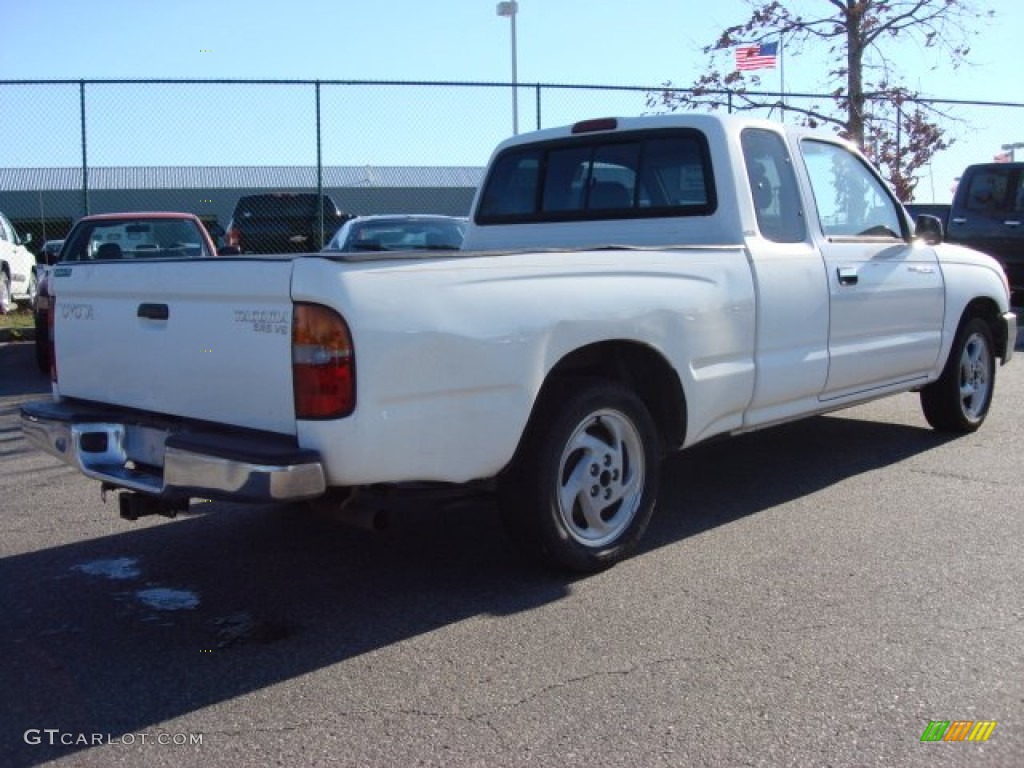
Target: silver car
x: 399, y: 232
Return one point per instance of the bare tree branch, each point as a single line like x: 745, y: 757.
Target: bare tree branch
x: 887, y: 119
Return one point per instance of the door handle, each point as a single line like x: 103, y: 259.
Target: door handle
x: 1012, y: 223
x: 847, y: 275
x: 154, y: 311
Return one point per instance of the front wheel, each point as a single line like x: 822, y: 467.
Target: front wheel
x: 958, y: 401
x: 5, y: 294
x: 32, y: 291
x: 582, y: 490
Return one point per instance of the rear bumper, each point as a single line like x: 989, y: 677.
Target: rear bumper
x: 171, y: 459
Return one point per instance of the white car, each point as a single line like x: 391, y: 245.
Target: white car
x: 399, y: 232
x: 17, y: 268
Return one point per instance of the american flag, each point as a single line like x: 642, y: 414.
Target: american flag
x: 761, y: 56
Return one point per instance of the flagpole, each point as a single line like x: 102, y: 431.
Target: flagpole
x: 782, y: 76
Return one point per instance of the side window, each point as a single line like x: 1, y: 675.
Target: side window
x: 618, y: 176
x: 77, y: 243
x: 773, y: 186
x: 987, y: 190
x: 851, y: 201
x: 1018, y: 198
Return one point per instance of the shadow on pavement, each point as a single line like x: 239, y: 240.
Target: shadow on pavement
x: 90, y: 643
x: 273, y: 593
x: 723, y: 480
x: 19, y: 374
x: 268, y: 594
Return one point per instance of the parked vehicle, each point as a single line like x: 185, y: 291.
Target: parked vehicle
x: 988, y: 214
x: 50, y: 254
x: 17, y: 268
x: 105, y: 236
x: 399, y: 232
x: 51, y: 251
x: 626, y: 288
x: 283, y: 222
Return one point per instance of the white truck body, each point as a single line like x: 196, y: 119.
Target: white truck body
x: 453, y: 352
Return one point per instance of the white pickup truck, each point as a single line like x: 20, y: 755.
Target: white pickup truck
x: 17, y: 267
x: 629, y: 287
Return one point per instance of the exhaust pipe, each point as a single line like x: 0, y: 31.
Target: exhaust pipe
x: 355, y: 507
x: 364, y: 514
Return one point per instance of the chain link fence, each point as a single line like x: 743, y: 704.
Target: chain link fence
x: 91, y: 146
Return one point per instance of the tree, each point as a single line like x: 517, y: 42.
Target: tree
x: 865, y: 102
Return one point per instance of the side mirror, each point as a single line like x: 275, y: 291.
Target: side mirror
x: 229, y: 250
x: 26, y: 238
x: 928, y: 228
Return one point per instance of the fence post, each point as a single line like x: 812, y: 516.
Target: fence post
x: 85, y: 162
x: 538, y: 105
x: 319, y: 174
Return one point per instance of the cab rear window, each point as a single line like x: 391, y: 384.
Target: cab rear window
x: 131, y: 238
x: 611, y: 176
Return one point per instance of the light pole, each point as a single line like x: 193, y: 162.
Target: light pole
x: 510, y: 9
x: 1011, y: 148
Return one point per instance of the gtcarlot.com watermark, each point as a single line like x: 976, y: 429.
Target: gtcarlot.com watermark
x: 55, y: 736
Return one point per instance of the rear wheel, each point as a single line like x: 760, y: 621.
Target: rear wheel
x: 582, y: 490
x: 958, y: 401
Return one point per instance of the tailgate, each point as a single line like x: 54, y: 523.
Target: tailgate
x: 205, y: 339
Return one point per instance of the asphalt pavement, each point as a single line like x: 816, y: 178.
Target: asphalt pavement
x: 812, y: 595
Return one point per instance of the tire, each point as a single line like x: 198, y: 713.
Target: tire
x: 958, y: 401
x: 33, y: 291
x: 581, y: 491
x: 6, y: 305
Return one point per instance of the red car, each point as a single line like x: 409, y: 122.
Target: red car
x: 105, y: 236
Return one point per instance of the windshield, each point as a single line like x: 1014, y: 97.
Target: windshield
x: 399, y: 235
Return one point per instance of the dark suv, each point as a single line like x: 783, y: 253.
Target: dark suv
x: 283, y: 222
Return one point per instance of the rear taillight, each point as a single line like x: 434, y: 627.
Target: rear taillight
x: 51, y: 305
x: 323, y: 364
x: 233, y: 235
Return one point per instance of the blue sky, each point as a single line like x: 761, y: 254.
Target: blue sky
x: 643, y: 42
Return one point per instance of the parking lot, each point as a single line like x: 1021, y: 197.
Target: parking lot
x: 814, y: 595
